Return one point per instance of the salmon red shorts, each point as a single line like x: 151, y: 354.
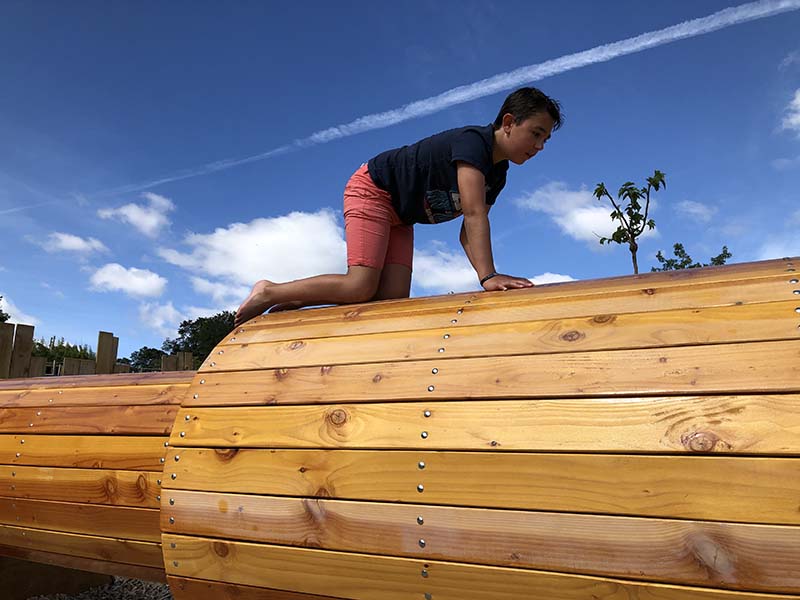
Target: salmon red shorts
x: 375, y: 234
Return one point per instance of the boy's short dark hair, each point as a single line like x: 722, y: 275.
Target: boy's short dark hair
x: 526, y: 102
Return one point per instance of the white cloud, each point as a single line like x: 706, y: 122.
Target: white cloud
x: 224, y: 295
x: 791, y: 59
x: 134, y: 282
x: 551, y: 278
x: 792, y: 119
x: 149, y: 219
x: 66, y: 242
x: 783, y: 164
x: 16, y: 315
x: 779, y: 247
x: 576, y: 212
x: 279, y: 249
x: 162, y: 318
x: 697, y: 211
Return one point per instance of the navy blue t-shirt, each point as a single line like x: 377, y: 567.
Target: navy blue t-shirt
x: 422, y: 178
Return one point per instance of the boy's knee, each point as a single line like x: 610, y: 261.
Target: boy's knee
x: 362, y: 287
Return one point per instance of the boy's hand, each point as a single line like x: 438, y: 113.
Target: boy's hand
x: 506, y: 282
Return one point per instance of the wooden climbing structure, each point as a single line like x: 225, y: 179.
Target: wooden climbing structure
x: 627, y: 438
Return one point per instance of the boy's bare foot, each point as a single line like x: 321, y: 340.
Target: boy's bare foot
x: 294, y: 304
x: 255, y: 304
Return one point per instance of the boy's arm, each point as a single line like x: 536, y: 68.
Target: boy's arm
x: 475, y: 232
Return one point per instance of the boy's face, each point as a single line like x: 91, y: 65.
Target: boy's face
x: 525, y: 140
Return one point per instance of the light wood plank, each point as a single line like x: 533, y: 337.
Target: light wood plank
x: 729, y: 324
x: 519, y: 305
x: 86, y: 564
x: 364, y: 577
x: 91, y: 519
x: 92, y: 486
x: 183, y: 588
x: 761, y: 367
x: 117, y: 380
x: 146, y: 554
x: 87, y: 451
x: 94, y: 396
x: 755, y: 490
x: 697, y: 424
x: 728, y: 555
x: 118, y: 420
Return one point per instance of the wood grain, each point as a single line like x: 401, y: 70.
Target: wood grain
x: 118, y: 420
x: 87, y: 451
x: 94, y: 396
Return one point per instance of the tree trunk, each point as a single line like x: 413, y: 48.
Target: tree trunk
x: 634, y: 248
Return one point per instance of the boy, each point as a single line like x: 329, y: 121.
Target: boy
x: 460, y: 171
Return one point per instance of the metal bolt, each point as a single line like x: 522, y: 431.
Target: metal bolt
x: 171, y: 520
x: 187, y: 418
x: 454, y: 321
x: 173, y: 545
x: 162, y: 460
x: 796, y: 292
x: 172, y: 501
x: 174, y: 563
x: 38, y: 413
x: 241, y: 330
x: 158, y: 481
x: 221, y: 352
x: 166, y: 444
x: 441, y: 350
x: 446, y: 336
x: 174, y: 475
x: 13, y: 474
x: 196, y: 396
x: 427, y: 413
x: 424, y: 435
x: 421, y: 465
x: 420, y: 488
x: 793, y: 281
x: 434, y: 370
x: 428, y: 596
x: 431, y: 388
x: 177, y: 457
x: 23, y: 441
x: 233, y: 339
x: 213, y: 364
x: 183, y: 434
x: 50, y: 399
x: 459, y: 311
x: 18, y: 454
x: 158, y: 497
x: 797, y: 310
x: 420, y: 520
x: 422, y: 543
x: 424, y: 572
x: 202, y: 381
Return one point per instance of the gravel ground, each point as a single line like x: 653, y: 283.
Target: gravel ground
x: 121, y: 588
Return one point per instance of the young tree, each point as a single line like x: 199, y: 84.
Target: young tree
x: 682, y: 259
x: 200, y: 336
x: 4, y: 316
x: 631, y: 218
x: 146, y: 359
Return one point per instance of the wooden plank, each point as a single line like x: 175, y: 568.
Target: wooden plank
x: 146, y: 554
x: 89, y: 486
x: 169, y: 363
x: 183, y: 588
x: 756, y: 490
x: 361, y: 576
x: 106, y: 354
x: 762, y: 367
x: 87, y: 367
x: 728, y: 555
x: 122, y: 368
x: 94, y: 396
x: 758, y: 424
x: 122, y: 380
x: 86, y: 564
x: 120, y: 420
x: 91, y: 451
x: 91, y: 519
x: 71, y: 366
x: 38, y: 364
x: 6, y: 348
x: 511, y: 307
x: 21, y: 353
x: 745, y: 323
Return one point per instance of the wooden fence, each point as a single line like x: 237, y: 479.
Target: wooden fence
x: 16, y: 359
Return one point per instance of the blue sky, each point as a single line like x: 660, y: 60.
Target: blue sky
x: 158, y: 158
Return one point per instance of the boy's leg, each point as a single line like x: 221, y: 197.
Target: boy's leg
x: 395, y: 283
x: 395, y: 279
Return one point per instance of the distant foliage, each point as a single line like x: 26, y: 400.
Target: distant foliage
x: 200, y: 336
x: 4, y: 316
x: 682, y: 260
x: 145, y: 360
x: 59, y: 350
x: 632, y: 218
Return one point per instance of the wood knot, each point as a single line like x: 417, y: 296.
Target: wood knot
x: 110, y: 487
x: 221, y: 549
x: 281, y: 374
x: 226, y: 453
x: 700, y: 441
x: 323, y: 493
x: 648, y: 291
x: 377, y: 378
x: 572, y: 336
x: 603, y: 319
x: 338, y: 416
x: 297, y: 345
x: 352, y: 314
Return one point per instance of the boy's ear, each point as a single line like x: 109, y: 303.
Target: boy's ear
x: 508, y: 120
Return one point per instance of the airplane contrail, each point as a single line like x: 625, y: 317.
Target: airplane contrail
x: 497, y: 83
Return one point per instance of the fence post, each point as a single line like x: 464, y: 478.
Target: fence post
x: 21, y: 354
x: 169, y: 363
x: 6, y: 345
x: 72, y: 366
x: 38, y: 364
x: 106, y: 357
